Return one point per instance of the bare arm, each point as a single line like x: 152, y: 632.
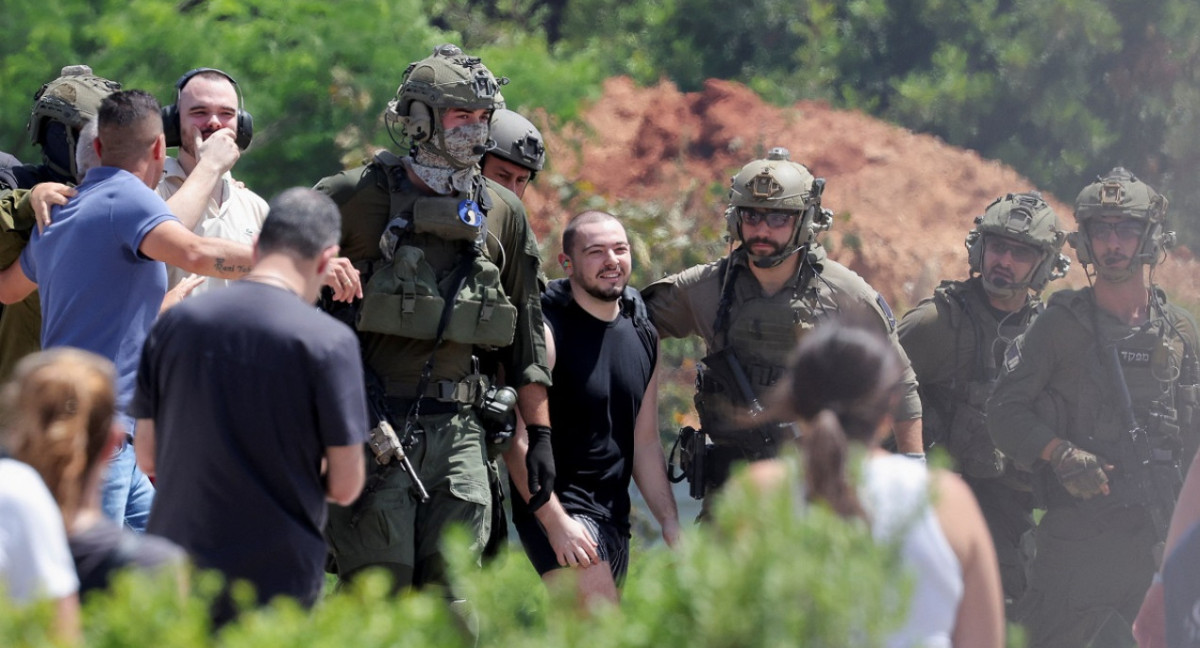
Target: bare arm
x: 650, y: 465
x: 908, y: 436
x: 172, y: 243
x: 143, y: 446
x: 345, y: 473
x: 14, y: 285
x: 980, y: 619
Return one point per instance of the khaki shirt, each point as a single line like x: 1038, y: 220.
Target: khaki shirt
x: 20, y: 323
x: 362, y: 196
x: 686, y: 304
x: 237, y: 217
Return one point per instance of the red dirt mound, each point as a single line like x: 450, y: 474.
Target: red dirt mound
x: 903, y: 201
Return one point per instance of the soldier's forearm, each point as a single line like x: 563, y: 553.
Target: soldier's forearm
x: 908, y: 436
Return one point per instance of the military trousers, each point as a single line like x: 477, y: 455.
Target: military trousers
x: 1091, y: 563
x: 391, y: 529
x: 1009, y: 515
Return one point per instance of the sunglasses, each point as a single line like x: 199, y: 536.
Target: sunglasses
x: 774, y: 220
x: 1125, y: 230
x: 996, y: 247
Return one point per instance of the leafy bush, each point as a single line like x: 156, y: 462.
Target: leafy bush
x: 759, y: 575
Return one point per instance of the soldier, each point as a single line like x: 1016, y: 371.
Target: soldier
x: 516, y: 153
x: 956, y: 341
x: 453, y: 266
x: 754, y: 305
x: 61, y: 109
x: 1098, y: 396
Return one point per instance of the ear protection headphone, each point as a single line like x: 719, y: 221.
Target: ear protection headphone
x: 170, y: 114
x: 566, y: 264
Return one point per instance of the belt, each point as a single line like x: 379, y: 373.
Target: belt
x: 466, y: 391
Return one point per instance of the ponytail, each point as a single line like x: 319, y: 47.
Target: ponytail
x: 825, y: 449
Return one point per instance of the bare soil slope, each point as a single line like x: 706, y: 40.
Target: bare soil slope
x: 904, y: 201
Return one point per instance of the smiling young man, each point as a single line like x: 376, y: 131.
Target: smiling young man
x: 603, y: 405
x: 1099, y: 398
x: 956, y: 341
x: 197, y: 184
x: 752, y: 307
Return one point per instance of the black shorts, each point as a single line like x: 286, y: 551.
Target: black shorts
x: 611, y: 545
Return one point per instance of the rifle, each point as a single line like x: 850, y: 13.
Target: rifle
x: 387, y: 446
x: 1153, y: 473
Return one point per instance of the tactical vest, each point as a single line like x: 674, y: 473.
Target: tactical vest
x: 433, y: 239
x: 752, y: 342
x: 954, y: 412
x: 1159, y: 367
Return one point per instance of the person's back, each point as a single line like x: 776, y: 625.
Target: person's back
x: 62, y: 407
x: 34, y: 561
x: 896, y: 493
x: 243, y: 393
x: 98, y: 292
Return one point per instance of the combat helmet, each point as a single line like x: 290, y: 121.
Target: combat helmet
x: 447, y: 78
x: 1026, y: 218
x: 1120, y: 193
x: 60, y: 109
x: 517, y: 140
x: 778, y: 183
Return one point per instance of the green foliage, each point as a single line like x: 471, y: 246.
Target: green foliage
x: 759, y: 575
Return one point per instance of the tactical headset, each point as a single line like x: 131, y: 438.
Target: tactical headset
x: 170, y: 114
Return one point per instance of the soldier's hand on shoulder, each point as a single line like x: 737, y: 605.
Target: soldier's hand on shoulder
x: 1082, y: 473
x: 46, y: 195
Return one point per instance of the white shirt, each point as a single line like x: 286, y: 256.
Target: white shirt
x: 35, y: 561
x: 238, y: 216
x: 896, y: 495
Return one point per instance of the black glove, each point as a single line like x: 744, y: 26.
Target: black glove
x: 539, y: 462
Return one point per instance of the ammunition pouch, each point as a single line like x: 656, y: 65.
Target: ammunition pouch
x: 449, y: 218
x: 404, y: 299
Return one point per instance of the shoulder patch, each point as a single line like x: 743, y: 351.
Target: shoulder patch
x: 887, y: 312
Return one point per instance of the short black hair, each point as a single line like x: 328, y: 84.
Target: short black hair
x: 129, y: 121
x: 301, y: 221
x: 582, y: 218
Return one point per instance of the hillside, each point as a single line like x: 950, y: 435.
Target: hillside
x: 903, y: 201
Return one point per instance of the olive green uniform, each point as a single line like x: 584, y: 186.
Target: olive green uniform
x: 389, y: 527
x: 20, y: 323
x: 956, y: 342
x: 1096, y: 556
x: 762, y: 330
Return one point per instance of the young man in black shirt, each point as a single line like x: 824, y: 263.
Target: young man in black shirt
x: 603, y: 410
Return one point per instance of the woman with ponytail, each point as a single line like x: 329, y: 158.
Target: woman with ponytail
x: 841, y: 384
x: 60, y: 406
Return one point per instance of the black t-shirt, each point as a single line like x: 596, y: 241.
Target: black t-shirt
x: 600, y: 376
x: 247, y: 386
x: 104, y: 547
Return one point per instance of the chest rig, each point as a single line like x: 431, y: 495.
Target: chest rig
x: 954, y: 411
x: 438, y: 266
x: 752, y: 341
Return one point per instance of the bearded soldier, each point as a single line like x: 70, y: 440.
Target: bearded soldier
x: 1099, y: 397
x: 956, y: 341
x: 453, y: 268
x: 751, y: 308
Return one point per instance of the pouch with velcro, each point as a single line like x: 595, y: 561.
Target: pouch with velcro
x: 483, y: 314
x: 402, y: 298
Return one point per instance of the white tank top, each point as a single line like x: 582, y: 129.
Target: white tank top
x: 896, y: 495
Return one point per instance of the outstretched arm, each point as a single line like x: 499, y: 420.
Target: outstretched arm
x: 172, y: 243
